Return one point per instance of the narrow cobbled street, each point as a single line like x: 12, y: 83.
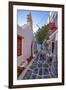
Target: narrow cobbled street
x: 40, y: 69
x: 38, y: 58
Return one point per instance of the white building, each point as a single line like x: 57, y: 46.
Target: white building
x: 53, y: 37
x: 25, y: 42
x: 53, y: 29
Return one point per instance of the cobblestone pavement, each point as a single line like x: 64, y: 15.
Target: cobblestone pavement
x: 40, y: 69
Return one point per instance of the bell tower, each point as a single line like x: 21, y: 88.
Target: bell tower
x: 29, y: 19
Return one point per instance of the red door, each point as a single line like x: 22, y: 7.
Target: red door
x: 19, y: 45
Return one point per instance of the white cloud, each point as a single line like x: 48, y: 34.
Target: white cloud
x: 35, y: 28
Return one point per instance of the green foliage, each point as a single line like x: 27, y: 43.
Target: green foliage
x: 42, y: 33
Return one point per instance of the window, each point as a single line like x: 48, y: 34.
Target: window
x: 19, y: 45
x: 52, y: 47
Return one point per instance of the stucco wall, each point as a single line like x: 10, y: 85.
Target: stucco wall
x: 27, y: 33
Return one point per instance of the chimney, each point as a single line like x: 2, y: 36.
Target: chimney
x: 29, y: 19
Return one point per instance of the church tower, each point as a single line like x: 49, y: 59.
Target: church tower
x: 29, y: 19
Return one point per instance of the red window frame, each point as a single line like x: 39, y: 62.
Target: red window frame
x: 19, y: 45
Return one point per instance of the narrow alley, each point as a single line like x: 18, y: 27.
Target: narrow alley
x: 40, y: 69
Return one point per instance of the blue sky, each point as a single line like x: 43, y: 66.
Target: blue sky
x: 39, y: 17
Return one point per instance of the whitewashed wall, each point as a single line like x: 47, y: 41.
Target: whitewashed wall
x: 26, y: 32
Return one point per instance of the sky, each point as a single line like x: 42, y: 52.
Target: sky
x: 39, y: 18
